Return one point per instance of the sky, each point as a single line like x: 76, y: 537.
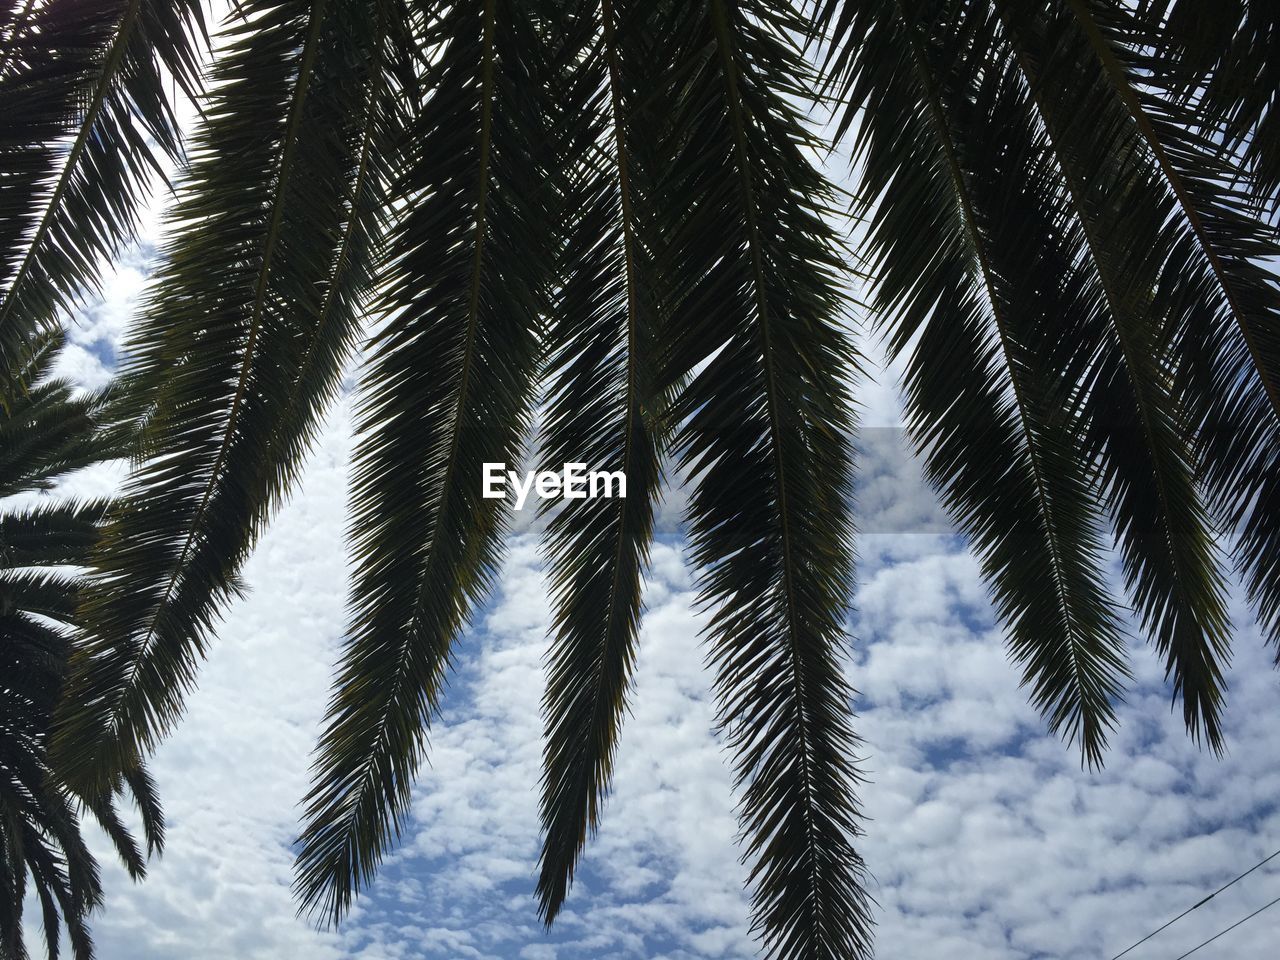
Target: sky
x: 985, y: 838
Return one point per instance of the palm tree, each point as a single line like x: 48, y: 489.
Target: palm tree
x: 609, y: 208
x: 46, y: 432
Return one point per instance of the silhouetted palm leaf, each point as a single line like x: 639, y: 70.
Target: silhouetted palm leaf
x: 99, y: 75
x: 1210, y: 135
x: 447, y: 389
x: 1111, y: 246
x: 983, y: 399
x: 602, y: 346
x: 45, y: 433
x: 764, y: 429
x: 261, y: 345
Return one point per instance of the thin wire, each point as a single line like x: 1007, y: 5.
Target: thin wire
x: 1229, y: 929
x: 1197, y: 905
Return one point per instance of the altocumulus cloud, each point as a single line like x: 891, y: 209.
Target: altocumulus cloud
x: 985, y: 837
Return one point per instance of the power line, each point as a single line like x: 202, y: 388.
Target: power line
x: 1201, y: 904
x: 1229, y: 929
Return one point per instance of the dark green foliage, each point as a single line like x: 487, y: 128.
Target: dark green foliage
x: 598, y: 225
x: 764, y: 429
x: 1198, y: 91
x: 259, y: 346
x: 86, y: 99
x: 601, y: 354
x: 1070, y: 286
x: 46, y: 432
x: 1086, y: 186
x: 448, y: 387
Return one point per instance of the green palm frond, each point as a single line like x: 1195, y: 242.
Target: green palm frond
x: 262, y: 339
x: 985, y: 402
x: 1144, y: 433
x: 1227, y: 298
x: 447, y: 389
x: 764, y: 428
x: 50, y: 534
x: 600, y: 413
x: 86, y: 119
x: 45, y: 546
x: 1092, y: 228
x: 42, y: 841
x: 49, y: 429
x: 1219, y: 62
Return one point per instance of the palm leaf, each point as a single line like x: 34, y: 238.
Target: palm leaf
x: 1228, y: 340
x: 604, y: 332
x: 46, y: 432
x: 50, y: 534
x: 1219, y: 61
x: 49, y: 432
x: 1137, y: 429
x: 65, y: 874
x: 764, y: 427
x: 446, y: 390
x: 985, y: 400
x: 238, y: 362
x: 98, y: 73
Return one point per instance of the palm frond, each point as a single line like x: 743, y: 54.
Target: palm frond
x: 44, y: 432
x: 104, y: 811
x: 50, y: 534
x: 1220, y: 62
x: 603, y: 335
x: 1136, y: 428
x: 955, y: 236
x: 39, y: 828
x: 1222, y: 289
x: 49, y: 431
x: 63, y: 873
x: 764, y: 428
x: 236, y: 361
x: 447, y: 390
x: 1070, y: 213
x: 98, y: 74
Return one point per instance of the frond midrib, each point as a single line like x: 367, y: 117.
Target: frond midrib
x: 115, y: 56
x: 298, y: 99
x: 1124, y: 89
x: 970, y: 224
x: 720, y: 24
x: 629, y: 257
